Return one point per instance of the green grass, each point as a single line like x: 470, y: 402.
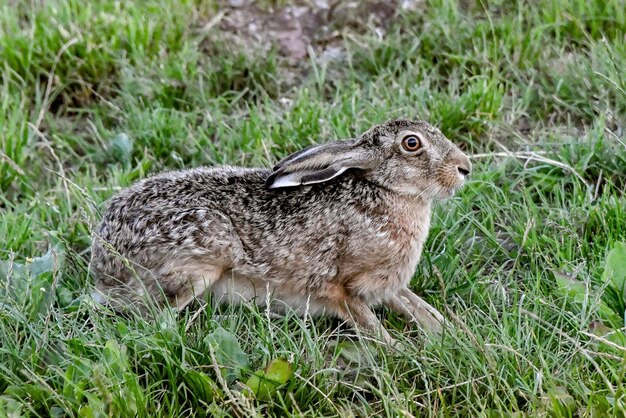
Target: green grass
x: 95, y: 95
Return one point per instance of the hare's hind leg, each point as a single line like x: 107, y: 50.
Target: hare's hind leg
x: 183, y: 284
x: 358, y: 315
x: 176, y: 287
x: 414, y: 308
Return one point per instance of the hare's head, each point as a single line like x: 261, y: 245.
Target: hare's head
x: 408, y: 157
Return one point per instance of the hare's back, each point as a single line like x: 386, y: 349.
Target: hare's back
x: 189, y: 188
x: 175, y: 205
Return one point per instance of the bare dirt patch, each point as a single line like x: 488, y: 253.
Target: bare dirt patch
x: 304, y: 30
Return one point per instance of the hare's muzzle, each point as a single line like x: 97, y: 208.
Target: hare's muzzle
x: 462, y: 163
x: 456, y: 167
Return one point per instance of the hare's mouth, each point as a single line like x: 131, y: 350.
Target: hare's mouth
x: 449, y: 186
x: 447, y: 192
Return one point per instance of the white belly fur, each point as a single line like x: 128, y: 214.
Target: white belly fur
x: 236, y: 289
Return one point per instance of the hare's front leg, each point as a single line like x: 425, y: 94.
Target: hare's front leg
x: 358, y: 315
x: 414, y: 308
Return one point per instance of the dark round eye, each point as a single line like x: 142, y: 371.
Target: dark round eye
x: 411, y: 143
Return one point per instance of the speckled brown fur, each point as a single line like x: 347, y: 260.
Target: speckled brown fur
x: 335, y: 228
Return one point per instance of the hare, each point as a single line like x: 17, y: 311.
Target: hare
x: 336, y: 228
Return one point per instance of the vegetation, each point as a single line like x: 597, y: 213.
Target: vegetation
x: 527, y: 261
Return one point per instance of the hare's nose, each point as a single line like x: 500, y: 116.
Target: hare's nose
x: 462, y: 162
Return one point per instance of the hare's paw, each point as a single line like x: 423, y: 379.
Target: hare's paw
x: 414, y: 308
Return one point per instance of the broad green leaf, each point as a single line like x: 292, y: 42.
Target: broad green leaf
x: 264, y: 383
x: 229, y: 355
x: 615, y: 268
x: 278, y: 371
x: 29, y: 390
x: 115, y: 358
x: 351, y: 352
x: 128, y: 396
x: 10, y: 407
x: 49, y: 262
x: 609, y: 315
x: 77, y: 377
x: 577, y: 292
x: 599, y: 404
x: 64, y: 296
x: 494, y: 413
x: 31, y: 282
x: 40, y: 294
x: 9, y: 269
x: 615, y: 336
x: 122, y: 148
x: 167, y: 337
x: 560, y: 402
x: 95, y: 407
x: 571, y: 288
x: 201, y: 385
x: 57, y: 412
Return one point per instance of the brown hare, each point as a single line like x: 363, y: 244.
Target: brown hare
x: 336, y: 228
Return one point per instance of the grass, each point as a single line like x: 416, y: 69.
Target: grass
x: 95, y: 95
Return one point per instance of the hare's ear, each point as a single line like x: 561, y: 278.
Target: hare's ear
x: 320, y: 163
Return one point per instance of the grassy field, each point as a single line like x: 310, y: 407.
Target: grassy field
x: 526, y: 260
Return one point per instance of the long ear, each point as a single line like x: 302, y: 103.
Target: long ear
x: 320, y: 163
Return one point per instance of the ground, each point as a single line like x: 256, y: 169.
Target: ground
x: 525, y: 261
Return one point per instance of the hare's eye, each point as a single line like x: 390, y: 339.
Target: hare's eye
x: 411, y: 143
